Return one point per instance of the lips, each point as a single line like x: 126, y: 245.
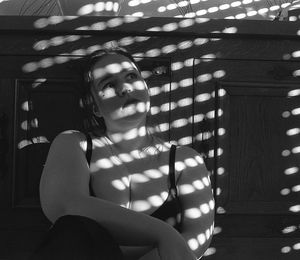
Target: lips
x: 130, y: 101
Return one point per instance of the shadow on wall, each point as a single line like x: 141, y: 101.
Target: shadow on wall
x: 231, y: 9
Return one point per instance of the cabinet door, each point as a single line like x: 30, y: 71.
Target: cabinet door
x: 254, y: 153
x: 36, y: 109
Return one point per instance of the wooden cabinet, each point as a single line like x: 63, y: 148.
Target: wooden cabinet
x: 256, y: 159
x: 228, y: 88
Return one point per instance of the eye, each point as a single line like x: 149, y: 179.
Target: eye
x: 108, y: 85
x: 131, y: 76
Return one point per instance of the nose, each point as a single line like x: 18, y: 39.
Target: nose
x: 123, y: 89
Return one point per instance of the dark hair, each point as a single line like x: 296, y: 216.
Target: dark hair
x: 93, y: 123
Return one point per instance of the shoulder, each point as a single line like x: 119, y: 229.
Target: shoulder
x: 190, y: 164
x: 69, y: 139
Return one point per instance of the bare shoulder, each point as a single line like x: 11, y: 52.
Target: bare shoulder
x: 190, y: 164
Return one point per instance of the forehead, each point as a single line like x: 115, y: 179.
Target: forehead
x: 111, y: 64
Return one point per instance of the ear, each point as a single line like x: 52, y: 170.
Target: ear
x: 96, y: 111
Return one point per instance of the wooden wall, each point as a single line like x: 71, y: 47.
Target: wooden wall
x: 229, y: 89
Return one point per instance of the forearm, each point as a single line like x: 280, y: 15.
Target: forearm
x: 129, y: 228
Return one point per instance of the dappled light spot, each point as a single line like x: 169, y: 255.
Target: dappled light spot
x: 213, y: 9
x: 154, y: 91
x: 35, y: 140
x: 186, y: 189
x: 25, y: 106
x: 296, y: 188
x: 286, y: 114
x: 153, y: 53
x: 296, y: 111
x: 217, y: 230
x: 177, y: 65
x: 52, y: 20
x: 179, y: 123
x: 185, y: 45
x: 164, y: 169
x: 198, y: 185
x: 199, y: 159
x: 293, y: 93
x: 141, y: 205
x: 211, y: 114
x: 211, y: 204
x: 153, y: 174
x: 296, y: 246
x: 197, y: 118
x: 179, y: 166
x: 286, y: 249
x: 104, y: 163
x: 291, y: 170
x: 190, y: 162
x: 224, y: 7
x: 186, y: 82
x: 285, y: 191
x: 30, y: 67
x: 124, y: 157
x: 169, y: 48
x: 202, y: 97
x: 204, y: 208
x: 154, y: 110
x: 201, y: 239
x: 137, y: 154
x: 193, y: 244
x: 288, y: 230
x: 118, y: 184
x: 293, y: 131
x: 218, y: 191
x: 126, y: 41
x: 192, y: 213
x: 210, y: 251
x: 115, y: 160
x: 163, y: 127
x: 220, y: 171
x: 295, y: 208
x: 263, y: 11
x: 201, y: 12
x: 236, y: 4
x: 296, y: 149
x: 170, y: 27
x: 26, y: 125
x: 219, y: 74
x: 185, y: 102
x: 186, y: 23
x: 140, y: 178
x: 185, y: 140
x: 296, y: 73
x: 155, y: 200
x: 168, y: 106
x: 221, y: 210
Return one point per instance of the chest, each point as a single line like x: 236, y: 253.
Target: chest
x: 135, y: 181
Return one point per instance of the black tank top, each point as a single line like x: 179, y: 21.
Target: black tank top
x: 171, y: 210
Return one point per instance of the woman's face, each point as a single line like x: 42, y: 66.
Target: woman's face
x: 121, y: 95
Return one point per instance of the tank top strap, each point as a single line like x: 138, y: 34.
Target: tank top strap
x: 89, y: 148
x: 88, y: 155
x: 172, y: 179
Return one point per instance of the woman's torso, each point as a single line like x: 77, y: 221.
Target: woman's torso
x: 136, y: 180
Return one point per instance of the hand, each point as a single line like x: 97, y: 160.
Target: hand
x: 172, y: 246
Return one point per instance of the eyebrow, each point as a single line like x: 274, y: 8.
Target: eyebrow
x: 108, y: 76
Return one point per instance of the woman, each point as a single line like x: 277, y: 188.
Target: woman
x: 119, y: 192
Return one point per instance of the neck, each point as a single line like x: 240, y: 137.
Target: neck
x: 130, y: 140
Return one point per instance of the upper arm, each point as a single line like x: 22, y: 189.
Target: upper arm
x: 65, y: 175
x: 196, y: 195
